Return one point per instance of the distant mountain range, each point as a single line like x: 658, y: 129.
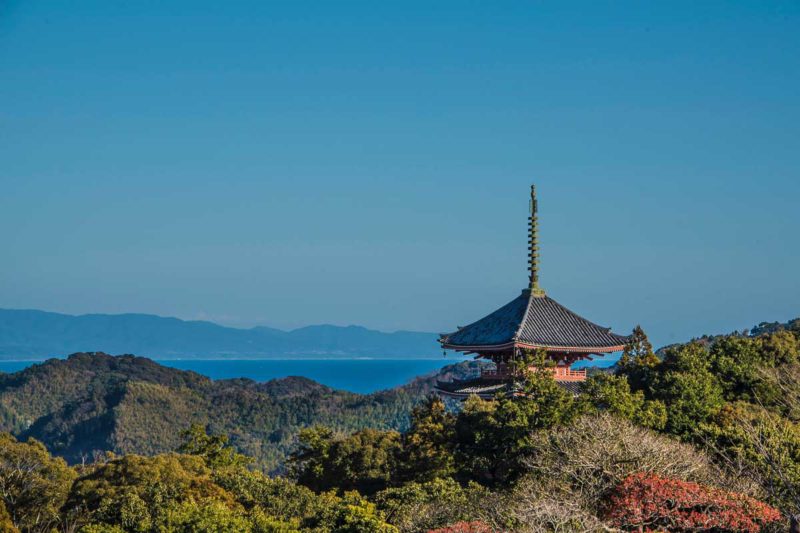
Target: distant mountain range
x: 30, y: 334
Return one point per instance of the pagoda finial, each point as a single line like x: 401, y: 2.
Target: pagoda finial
x: 533, y: 246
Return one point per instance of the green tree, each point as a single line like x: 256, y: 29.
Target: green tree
x: 33, y: 484
x: 365, y: 461
x: 352, y: 514
x: 275, y: 497
x: 781, y: 347
x: 139, y: 493
x: 493, y: 437
x: 736, y: 361
x: 543, y: 401
x: 605, y: 392
x: 101, y: 528
x: 6, y: 523
x: 214, y: 449
x: 190, y: 516
x: 428, y: 444
x: 691, y: 392
x: 261, y: 522
x: 638, y: 360
x: 308, y: 464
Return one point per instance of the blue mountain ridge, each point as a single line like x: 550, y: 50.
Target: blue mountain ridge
x: 33, y: 334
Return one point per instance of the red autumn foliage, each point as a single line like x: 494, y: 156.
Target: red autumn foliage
x: 464, y: 527
x: 645, y: 502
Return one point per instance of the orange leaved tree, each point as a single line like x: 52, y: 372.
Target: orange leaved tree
x: 652, y: 503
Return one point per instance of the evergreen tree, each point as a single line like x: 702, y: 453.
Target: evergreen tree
x: 605, y: 392
x: 365, y: 461
x: 428, y: 444
x: 33, y: 484
x: 494, y: 437
x: 638, y: 360
x: 214, y: 449
x: 307, y: 464
x: 688, y: 388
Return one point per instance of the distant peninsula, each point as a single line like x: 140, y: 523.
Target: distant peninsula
x: 37, y: 335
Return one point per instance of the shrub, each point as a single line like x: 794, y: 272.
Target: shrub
x: 646, y: 501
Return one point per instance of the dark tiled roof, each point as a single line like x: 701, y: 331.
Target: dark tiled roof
x: 535, y: 321
x: 573, y: 387
x: 499, y: 327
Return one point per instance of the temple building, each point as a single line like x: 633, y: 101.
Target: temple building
x: 531, y: 321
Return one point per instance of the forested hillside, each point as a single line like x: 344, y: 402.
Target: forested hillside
x: 91, y: 403
x: 703, y: 439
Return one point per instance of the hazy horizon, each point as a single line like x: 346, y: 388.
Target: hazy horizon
x: 658, y: 342
x: 319, y: 324
x: 306, y: 163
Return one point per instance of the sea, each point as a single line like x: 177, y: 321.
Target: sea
x: 356, y: 375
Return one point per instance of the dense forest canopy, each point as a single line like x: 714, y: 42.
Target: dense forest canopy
x: 704, y: 437
x: 91, y: 403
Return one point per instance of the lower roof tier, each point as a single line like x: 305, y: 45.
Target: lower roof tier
x: 534, y: 321
x: 490, y: 388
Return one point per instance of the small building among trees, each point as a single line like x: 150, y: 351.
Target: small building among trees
x: 532, y: 322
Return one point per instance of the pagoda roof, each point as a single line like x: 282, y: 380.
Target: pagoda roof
x: 488, y: 389
x: 534, y: 320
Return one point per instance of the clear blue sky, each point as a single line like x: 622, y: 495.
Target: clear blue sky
x: 291, y: 163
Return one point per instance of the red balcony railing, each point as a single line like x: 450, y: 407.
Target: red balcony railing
x: 560, y: 373
x: 565, y: 373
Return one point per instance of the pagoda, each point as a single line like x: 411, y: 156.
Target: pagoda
x: 531, y: 321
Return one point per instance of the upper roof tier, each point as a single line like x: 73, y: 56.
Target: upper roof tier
x: 533, y: 321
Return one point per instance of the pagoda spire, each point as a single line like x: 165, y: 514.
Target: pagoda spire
x: 533, y: 246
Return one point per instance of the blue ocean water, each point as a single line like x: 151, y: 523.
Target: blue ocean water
x: 355, y: 375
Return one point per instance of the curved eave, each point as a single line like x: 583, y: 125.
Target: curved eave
x: 579, y: 349
x: 448, y: 390
x: 510, y: 345
x: 465, y: 395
